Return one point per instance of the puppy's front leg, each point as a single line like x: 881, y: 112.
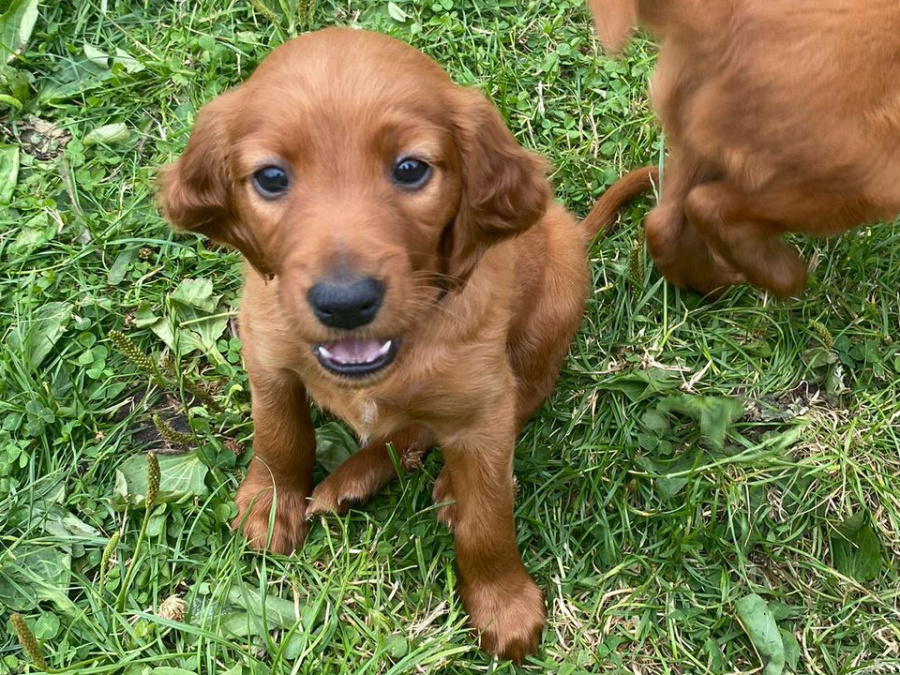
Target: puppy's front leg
x: 284, y: 448
x: 503, y: 603
x: 363, y: 474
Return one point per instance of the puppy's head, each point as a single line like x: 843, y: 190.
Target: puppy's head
x: 351, y: 168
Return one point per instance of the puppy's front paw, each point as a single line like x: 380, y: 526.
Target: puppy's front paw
x: 783, y: 272
x: 254, y: 502
x: 509, y: 613
x: 339, y: 492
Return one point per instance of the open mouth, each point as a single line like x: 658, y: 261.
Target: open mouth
x: 356, y: 357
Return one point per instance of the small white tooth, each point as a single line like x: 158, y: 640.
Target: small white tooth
x: 385, y: 348
x: 325, y: 353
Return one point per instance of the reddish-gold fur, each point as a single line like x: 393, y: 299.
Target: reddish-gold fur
x: 780, y: 116
x: 486, y: 279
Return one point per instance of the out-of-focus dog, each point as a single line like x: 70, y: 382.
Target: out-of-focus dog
x: 779, y: 116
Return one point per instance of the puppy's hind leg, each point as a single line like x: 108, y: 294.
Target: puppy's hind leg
x: 683, y: 256
x: 364, y: 474
x: 726, y: 218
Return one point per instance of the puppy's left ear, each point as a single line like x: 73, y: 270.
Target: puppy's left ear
x: 504, y: 188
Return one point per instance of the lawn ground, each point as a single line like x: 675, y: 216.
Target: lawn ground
x: 699, y: 463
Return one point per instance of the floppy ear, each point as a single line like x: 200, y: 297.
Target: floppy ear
x: 504, y: 188
x: 614, y: 20
x: 196, y: 191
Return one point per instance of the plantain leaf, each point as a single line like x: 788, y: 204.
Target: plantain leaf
x: 9, y: 171
x: 397, y: 13
x: 182, y: 477
x: 16, y: 25
x: 856, y: 548
x: 334, y: 445
x: 759, y: 624
x: 37, y: 337
x: 714, y: 413
x: 196, y: 293
x: 31, y: 574
x: 643, y: 384
x: 109, y: 134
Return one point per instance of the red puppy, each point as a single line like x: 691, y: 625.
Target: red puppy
x: 409, y: 271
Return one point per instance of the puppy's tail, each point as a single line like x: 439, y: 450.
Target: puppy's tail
x: 603, y: 216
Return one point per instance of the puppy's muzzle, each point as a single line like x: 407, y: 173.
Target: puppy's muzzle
x: 346, y: 305
x: 349, y: 305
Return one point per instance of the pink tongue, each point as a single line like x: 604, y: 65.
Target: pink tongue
x: 354, y: 351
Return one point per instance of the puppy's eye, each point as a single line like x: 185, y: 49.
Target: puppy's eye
x: 270, y: 182
x: 410, y: 172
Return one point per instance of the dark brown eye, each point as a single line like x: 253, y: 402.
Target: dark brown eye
x: 411, y: 173
x: 271, y: 182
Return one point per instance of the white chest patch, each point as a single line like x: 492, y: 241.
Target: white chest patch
x: 368, y: 415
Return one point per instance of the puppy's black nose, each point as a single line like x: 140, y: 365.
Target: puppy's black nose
x: 346, y: 304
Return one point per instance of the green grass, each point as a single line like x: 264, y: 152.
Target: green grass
x: 643, y: 531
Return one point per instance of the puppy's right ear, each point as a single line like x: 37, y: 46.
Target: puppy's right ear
x: 614, y: 20
x: 197, y: 191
